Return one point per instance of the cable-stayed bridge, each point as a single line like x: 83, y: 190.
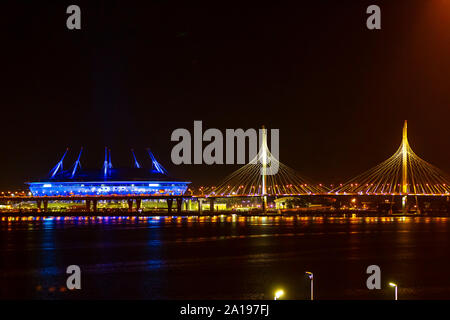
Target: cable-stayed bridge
x: 258, y: 178
x: 404, y: 173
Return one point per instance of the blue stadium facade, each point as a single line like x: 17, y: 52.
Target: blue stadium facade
x: 108, y: 181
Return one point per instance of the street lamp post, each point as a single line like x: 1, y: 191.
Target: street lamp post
x: 311, y: 277
x: 395, y: 289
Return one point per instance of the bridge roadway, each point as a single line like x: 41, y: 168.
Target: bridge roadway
x: 91, y: 201
x: 192, y: 196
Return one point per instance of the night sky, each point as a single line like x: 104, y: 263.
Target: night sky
x: 136, y: 71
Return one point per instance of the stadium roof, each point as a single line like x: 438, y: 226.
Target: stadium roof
x: 107, y: 172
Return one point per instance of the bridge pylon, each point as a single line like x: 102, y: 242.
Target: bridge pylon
x: 405, y: 147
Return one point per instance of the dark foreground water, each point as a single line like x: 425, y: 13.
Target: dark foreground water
x: 224, y: 258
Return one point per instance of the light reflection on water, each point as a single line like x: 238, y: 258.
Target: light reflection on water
x: 220, y: 256
x: 49, y: 222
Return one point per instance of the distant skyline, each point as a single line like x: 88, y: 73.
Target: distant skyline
x: 338, y: 92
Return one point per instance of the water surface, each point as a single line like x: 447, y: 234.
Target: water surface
x: 223, y: 257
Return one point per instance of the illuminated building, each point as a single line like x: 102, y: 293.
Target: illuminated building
x: 136, y: 180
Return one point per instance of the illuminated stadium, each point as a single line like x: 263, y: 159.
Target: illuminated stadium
x: 136, y: 180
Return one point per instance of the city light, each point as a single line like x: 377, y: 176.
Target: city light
x: 278, y: 294
x: 394, y: 285
x: 311, y: 277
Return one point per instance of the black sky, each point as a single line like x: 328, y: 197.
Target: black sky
x: 136, y: 71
